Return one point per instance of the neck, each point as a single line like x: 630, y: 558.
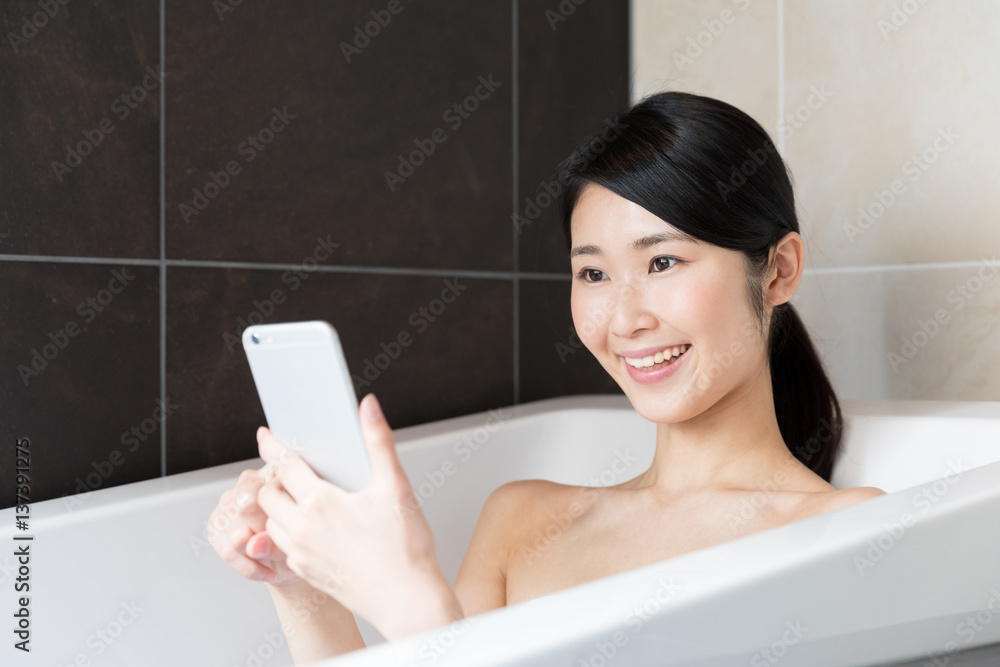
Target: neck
x: 735, y: 444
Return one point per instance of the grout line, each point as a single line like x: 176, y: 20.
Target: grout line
x: 446, y: 273
x: 163, y: 239
x: 514, y: 198
x: 276, y: 266
x: 781, y: 74
x: 630, y: 9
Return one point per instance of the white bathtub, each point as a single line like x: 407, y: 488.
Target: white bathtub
x: 124, y: 576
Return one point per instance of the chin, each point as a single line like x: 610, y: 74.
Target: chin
x: 653, y: 408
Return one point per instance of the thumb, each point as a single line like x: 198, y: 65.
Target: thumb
x: 259, y: 545
x: 379, y: 441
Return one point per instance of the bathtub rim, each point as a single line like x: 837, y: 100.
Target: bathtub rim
x: 420, y: 436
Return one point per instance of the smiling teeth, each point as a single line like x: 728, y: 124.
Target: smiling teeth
x: 673, y: 352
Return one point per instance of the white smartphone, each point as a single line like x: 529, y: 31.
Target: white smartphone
x: 308, y: 398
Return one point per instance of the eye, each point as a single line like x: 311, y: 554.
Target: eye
x: 582, y: 275
x: 657, y: 259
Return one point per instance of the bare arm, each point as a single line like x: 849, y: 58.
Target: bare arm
x: 315, y: 625
x: 318, y: 627
x: 481, y: 584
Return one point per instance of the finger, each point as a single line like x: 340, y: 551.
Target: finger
x: 262, y: 547
x: 279, y: 506
x: 224, y: 517
x: 295, y: 474
x: 249, y: 568
x: 282, y: 540
x: 245, y: 498
x: 379, y: 440
x: 233, y: 552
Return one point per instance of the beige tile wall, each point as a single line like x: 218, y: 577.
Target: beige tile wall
x: 887, y: 106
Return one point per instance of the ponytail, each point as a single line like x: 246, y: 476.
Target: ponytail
x: 805, y: 404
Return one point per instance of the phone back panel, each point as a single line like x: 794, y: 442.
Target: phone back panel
x: 305, y: 389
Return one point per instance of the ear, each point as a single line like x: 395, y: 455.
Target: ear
x: 789, y: 260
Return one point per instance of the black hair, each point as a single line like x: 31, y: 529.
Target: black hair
x: 711, y: 171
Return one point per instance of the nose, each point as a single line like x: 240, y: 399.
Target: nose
x: 630, y: 311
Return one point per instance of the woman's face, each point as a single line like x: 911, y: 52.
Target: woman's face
x: 657, y: 295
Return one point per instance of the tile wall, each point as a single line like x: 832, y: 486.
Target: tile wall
x: 172, y: 170
x: 885, y: 112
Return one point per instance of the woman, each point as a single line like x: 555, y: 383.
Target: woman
x: 685, y: 251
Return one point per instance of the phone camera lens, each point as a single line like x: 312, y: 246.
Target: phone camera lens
x: 254, y: 338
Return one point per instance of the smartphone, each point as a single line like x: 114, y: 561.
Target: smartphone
x: 308, y: 398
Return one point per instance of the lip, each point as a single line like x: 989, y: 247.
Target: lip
x: 647, y: 351
x: 651, y: 377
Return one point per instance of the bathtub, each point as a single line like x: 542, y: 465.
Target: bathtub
x: 125, y: 575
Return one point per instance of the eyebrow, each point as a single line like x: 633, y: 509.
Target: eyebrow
x: 638, y: 244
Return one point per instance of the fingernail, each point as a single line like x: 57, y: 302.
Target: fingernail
x: 372, y: 411
x: 263, y: 550
x: 243, y: 500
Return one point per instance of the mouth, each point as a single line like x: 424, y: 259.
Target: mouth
x: 659, y: 360
x: 656, y: 371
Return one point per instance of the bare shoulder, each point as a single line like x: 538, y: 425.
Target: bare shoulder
x: 512, y: 508
x: 481, y: 584
x: 839, y: 498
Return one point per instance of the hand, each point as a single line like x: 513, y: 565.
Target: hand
x: 372, y: 550
x: 236, y: 532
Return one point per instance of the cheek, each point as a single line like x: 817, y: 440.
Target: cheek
x: 692, y: 308
x: 718, y: 318
x: 587, y: 323
x: 708, y: 313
